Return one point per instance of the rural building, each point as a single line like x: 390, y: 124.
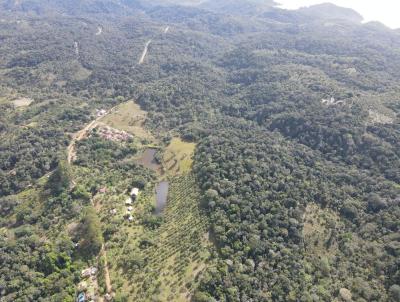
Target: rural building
x: 101, y: 112
x: 91, y: 271
x: 134, y: 193
x: 128, y: 201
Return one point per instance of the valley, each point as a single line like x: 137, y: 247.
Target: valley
x: 197, y: 151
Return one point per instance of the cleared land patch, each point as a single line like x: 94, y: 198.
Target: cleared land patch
x: 22, y: 102
x: 318, y: 229
x: 130, y: 118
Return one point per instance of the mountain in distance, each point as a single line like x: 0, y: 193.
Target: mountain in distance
x: 71, y: 6
x: 331, y: 11
x: 243, y: 7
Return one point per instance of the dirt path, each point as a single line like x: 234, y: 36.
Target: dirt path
x: 71, y: 150
x: 106, y: 272
x: 76, y: 138
x: 146, y: 48
x: 71, y: 154
x: 76, y: 45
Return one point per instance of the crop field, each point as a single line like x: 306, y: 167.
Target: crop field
x: 163, y: 263
x: 178, y: 155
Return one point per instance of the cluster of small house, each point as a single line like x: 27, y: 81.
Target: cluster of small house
x: 128, y: 203
x: 88, y: 275
x: 101, y: 112
x: 112, y: 134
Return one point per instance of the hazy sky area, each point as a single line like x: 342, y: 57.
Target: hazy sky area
x: 385, y: 11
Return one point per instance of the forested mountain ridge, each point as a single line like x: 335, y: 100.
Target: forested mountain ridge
x: 296, y: 119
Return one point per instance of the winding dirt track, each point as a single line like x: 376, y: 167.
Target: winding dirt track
x: 106, y: 272
x: 76, y: 138
x: 146, y: 48
x: 71, y: 154
x: 81, y: 134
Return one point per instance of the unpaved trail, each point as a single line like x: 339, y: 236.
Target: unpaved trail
x: 106, y: 272
x: 71, y: 152
x: 76, y: 45
x: 146, y: 48
x: 77, y: 137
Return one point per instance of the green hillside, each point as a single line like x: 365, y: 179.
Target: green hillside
x: 277, y: 132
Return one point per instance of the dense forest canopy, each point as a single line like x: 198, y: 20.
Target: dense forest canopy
x: 296, y: 119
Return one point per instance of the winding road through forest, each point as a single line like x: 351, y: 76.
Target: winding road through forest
x: 71, y: 154
x: 146, y: 48
x: 81, y: 134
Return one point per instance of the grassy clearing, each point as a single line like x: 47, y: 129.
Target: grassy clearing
x: 162, y: 264
x: 178, y: 157
x: 130, y: 118
x: 22, y: 102
x: 317, y: 230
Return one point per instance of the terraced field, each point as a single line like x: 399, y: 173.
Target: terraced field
x: 177, y: 158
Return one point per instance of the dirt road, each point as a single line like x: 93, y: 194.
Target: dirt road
x: 77, y: 137
x: 146, y: 48
x: 106, y: 272
x: 71, y: 152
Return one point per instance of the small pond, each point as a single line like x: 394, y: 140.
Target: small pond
x: 161, y: 196
x: 147, y: 159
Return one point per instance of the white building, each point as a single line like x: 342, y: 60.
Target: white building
x: 134, y: 192
x: 128, y: 201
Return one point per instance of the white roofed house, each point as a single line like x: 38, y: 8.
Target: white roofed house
x: 128, y: 201
x: 134, y: 193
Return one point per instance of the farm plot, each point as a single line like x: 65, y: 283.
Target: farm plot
x: 163, y: 262
x: 178, y: 155
x: 130, y: 118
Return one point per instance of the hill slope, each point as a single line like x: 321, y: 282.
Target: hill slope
x: 295, y: 118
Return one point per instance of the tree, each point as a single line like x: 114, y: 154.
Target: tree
x: 394, y: 292
x: 60, y: 179
x: 92, y: 239
x: 202, y: 297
